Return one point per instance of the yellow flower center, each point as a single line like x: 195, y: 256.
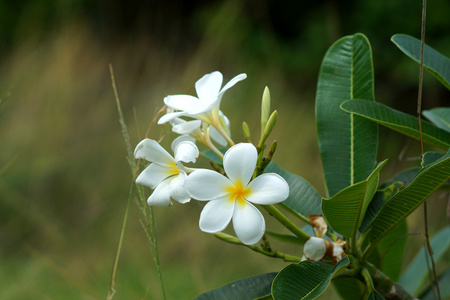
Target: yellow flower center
x: 172, y: 169
x: 238, y: 192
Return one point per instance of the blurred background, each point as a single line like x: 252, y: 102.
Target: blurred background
x: 64, y: 178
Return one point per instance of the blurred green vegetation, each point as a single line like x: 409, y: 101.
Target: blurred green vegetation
x: 64, y: 179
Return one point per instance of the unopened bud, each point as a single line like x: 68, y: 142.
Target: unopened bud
x: 315, y: 249
x: 265, y: 109
x: 247, y: 134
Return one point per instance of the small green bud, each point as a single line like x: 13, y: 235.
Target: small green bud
x: 265, y: 109
x: 247, y: 134
x: 272, y: 150
x: 270, y: 125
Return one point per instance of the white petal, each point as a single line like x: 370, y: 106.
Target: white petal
x: 186, y: 152
x: 207, y: 185
x: 176, y: 189
x: 170, y: 116
x: 181, y: 138
x: 216, y: 215
x: 160, y: 196
x: 153, y: 175
x: 248, y: 223
x: 239, y: 162
x: 182, y: 102
x: 315, y: 249
x: 232, y: 82
x: 208, y: 87
x: 187, y: 127
x: 217, y: 137
x: 152, y: 151
x: 269, y: 188
x: 338, y: 252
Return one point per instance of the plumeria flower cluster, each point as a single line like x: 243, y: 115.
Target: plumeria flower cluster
x: 230, y: 196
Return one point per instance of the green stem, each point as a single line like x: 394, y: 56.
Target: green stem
x: 224, y: 134
x: 210, y: 145
x: 234, y: 240
x: 277, y: 214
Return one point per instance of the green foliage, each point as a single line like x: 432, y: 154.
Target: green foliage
x: 347, y: 142
x: 389, y: 253
x: 439, y: 116
x: 428, y: 180
x: 398, y: 121
x: 345, y: 210
x: 303, y: 199
x: 436, y: 63
x: 245, y: 289
x: 305, y: 280
x: 415, y: 277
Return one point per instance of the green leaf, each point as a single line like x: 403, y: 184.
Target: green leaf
x: 305, y: 280
x: 377, y: 203
x: 303, y: 198
x: 405, y: 177
x: 389, y: 253
x: 436, y: 63
x: 428, y: 180
x: 245, y: 289
x: 444, y: 279
x: 349, y: 288
x: 415, y: 278
x: 347, y: 142
x: 209, y: 154
x: 439, y: 116
x: 374, y: 295
x: 398, y: 121
x: 345, y: 211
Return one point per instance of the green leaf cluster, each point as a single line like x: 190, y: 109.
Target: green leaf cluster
x: 370, y: 216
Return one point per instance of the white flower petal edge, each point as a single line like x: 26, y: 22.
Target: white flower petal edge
x: 239, y: 162
x: 153, y: 175
x: 216, y: 215
x: 186, y: 127
x: 208, y: 87
x: 181, y: 138
x: 160, y: 196
x: 206, y: 185
x: 269, y: 188
x: 248, y: 223
x: 165, y: 174
x: 186, y: 152
x: 152, y: 151
x: 206, y: 106
x: 177, y: 190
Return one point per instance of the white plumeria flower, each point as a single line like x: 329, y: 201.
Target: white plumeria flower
x: 193, y: 128
x: 166, y: 175
x: 232, y: 197
x: 206, y: 106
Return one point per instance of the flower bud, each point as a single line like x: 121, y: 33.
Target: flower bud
x: 315, y: 249
x: 265, y: 109
x: 247, y: 134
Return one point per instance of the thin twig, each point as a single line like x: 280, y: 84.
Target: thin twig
x: 419, y: 112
